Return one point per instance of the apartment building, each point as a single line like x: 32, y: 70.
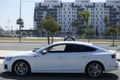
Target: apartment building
x: 66, y: 12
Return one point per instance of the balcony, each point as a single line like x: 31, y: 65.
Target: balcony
x: 108, y: 5
x: 76, y: 5
x: 90, y: 5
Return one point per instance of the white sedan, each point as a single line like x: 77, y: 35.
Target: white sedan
x: 63, y: 57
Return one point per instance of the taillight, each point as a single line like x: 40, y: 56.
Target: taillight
x: 113, y: 56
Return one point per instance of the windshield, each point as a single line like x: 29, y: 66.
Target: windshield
x: 39, y: 50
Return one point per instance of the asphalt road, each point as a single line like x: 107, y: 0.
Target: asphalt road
x: 20, y: 46
x: 114, y: 75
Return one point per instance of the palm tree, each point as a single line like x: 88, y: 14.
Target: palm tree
x: 85, y: 16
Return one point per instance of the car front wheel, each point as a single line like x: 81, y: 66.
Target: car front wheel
x: 94, y: 69
x: 21, y: 68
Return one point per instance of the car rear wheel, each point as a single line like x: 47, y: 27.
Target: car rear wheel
x: 94, y: 69
x: 21, y: 68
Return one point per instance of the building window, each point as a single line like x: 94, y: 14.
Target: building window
x: 65, y: 12
x: 68, y: 8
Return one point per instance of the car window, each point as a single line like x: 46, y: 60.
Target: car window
x: 57, y: 48
x: 78, y: 48
x: 83, y: 48
x: 70, y: 48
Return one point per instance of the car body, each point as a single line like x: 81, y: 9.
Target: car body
x: 63, y: 57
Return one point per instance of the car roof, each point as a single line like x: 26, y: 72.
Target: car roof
x: 73, y: 42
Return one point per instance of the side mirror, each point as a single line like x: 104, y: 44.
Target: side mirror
x: 44, y: 52
x: 35, y: 49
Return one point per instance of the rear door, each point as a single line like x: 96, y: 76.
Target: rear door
x: 76, y: 57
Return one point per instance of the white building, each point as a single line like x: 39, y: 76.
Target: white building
x: 66, y: 12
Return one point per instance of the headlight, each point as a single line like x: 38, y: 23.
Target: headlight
x: 8, y: 58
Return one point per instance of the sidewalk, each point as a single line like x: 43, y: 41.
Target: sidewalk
x: 4, y: 53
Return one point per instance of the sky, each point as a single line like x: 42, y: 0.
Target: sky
x: 9, y: 13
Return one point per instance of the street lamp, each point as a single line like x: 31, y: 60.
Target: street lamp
x: 20, y: 23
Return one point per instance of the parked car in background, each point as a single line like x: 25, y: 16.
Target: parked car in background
x: 63, y: 57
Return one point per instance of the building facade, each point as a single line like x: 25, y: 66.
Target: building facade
x: 66, y: 12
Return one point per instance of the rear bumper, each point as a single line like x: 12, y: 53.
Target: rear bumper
x: 114, y: 66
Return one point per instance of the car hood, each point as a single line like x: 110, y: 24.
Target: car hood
x: 22, y: 53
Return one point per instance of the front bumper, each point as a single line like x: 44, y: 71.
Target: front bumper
x: 7, y: 66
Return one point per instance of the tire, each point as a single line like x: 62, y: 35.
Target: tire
x: 21, y: 68
x: 94, y: 69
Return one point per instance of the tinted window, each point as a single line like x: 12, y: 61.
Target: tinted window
x: 70, y: 48
x: 78, y: 48
x: 83, y: 48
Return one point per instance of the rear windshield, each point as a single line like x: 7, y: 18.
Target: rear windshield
x: 101, y: 47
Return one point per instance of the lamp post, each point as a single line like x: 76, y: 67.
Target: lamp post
x: 20, y: 10
x: 20, y: 23
x: 20, y: 36
x: 20, y: 20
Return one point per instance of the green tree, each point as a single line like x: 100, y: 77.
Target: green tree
x: 50, y: 25
x: 0, y: 33
x: 17, y: 32
x: 43, y: 24
x: 112, y: 31
x: 24, y: 33
x: 91, y: 31
x: 55, y: 27
x: 76, y: 23
x: 85, y: 16
x: 106, y: 21
x: 118, y: 30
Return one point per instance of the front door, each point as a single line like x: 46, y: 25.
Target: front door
x: 53, y: 60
